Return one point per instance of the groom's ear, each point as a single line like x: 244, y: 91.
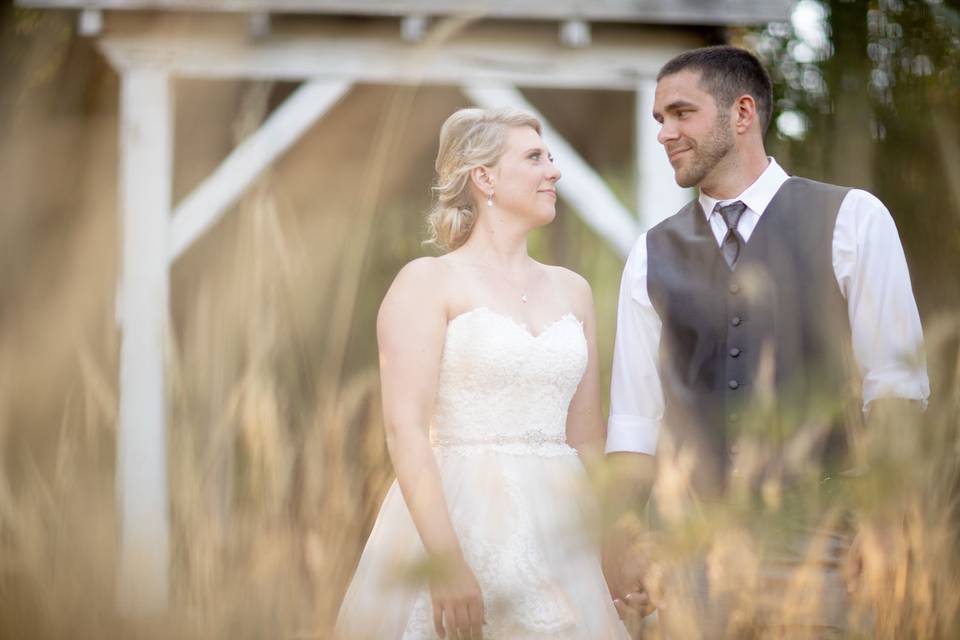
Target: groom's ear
x: 746, y: 113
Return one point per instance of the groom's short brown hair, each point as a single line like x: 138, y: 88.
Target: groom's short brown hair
x: 727, y: 73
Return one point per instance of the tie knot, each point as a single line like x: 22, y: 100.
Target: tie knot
x: 731, y: 213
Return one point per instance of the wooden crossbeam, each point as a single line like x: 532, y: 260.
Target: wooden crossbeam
x: 696, y: 12
x: 207, y: 203
x: 521, y: 55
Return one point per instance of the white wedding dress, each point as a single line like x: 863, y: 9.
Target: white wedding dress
x: 516, y: 493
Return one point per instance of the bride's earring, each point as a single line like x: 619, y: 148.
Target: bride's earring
x: 489, y: 199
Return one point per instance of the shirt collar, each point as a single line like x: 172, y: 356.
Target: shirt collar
x: 758, y: 195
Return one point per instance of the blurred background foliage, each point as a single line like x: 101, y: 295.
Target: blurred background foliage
x: 868, y: 95
x: 277, y: 461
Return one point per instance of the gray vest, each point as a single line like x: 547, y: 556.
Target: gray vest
x: 765, y: 347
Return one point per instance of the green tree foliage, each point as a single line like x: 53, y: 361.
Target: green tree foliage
x: 868, y: 93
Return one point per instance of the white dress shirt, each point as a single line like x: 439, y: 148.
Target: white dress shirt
x: 870, y: 268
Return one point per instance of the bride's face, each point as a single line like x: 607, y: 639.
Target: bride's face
x: 526, y: 178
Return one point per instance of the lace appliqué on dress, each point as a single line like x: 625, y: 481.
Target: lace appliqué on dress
x: 521, y: 599
x: 503, y: 389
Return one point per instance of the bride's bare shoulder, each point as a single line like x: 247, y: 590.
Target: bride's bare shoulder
x: 420, y: 271
x: 572, y: 282
x: 573, y: 286
x: 418, y: 288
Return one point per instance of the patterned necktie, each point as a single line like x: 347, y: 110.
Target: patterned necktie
x: 732, y: 242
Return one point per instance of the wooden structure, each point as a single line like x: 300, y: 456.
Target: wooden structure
x: 500, y: 46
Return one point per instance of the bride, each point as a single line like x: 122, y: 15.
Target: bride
x: 489, y: 374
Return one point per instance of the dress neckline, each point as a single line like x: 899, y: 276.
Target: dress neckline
x: 520, y: 325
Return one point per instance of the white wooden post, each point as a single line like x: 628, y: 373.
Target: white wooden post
x: 659, y: 196
x: 145, y: 179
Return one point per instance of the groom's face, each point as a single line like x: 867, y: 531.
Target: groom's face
x: 695, y: 132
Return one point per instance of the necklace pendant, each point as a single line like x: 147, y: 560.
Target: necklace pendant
x: 523, y: 297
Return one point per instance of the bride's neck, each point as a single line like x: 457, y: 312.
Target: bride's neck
x: 498, y: 246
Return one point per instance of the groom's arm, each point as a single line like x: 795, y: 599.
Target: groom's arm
x: 634, y: 474
x: 636, y: 411
x: 887, y: 336
x: 636, y: 393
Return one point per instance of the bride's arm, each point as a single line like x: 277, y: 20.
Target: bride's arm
x: 585, y: 426
x: 411, y: 328
x: 586, y: 432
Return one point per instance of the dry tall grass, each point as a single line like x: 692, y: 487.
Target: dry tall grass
x: 276, y: 479
x: 277, y: 463
x: 899, y: 513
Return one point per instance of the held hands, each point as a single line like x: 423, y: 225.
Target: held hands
x: 626, y: 548
x: 878, y: 552
x: 457, y: 600
x: 627, y: 567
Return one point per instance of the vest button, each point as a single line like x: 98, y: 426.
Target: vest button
x: 733, y: 384
x: 734, y: 289
x: 735, y: 352
x: 735, y: 321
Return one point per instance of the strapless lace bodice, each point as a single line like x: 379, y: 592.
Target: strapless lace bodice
x: 503, y: 388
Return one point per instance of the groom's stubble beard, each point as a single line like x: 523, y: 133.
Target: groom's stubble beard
x: 708, y: 153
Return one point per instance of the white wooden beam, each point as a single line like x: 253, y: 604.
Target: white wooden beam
x: 702, y: 12
x: 413, y: 28
x: 575, y: 33
x: 580, y: 185
x: 658, y: 195
x: 258, y: 25
x: 528, y: 55
x: 145, y: 179
x: 90, y: 22
x: 208, y: 201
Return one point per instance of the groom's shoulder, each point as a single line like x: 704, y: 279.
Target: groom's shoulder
x: 853, y: 198
x: 854, y: 192
x: 799, y: 182
x: 678, y: 220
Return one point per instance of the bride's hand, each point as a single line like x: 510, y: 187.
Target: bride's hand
x: 619, y: 558
x: 626, y: 566
x: 457, y: 601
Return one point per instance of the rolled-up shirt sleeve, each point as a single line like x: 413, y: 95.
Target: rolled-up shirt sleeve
x: 636, y: 394
x: 871, y: 270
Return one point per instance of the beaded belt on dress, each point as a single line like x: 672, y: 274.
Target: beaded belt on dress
x: 530, y: 443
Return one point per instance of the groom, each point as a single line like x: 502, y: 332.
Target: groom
x: 751, y: 305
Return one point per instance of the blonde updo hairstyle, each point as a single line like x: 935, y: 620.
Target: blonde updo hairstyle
x: 469, y: 138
